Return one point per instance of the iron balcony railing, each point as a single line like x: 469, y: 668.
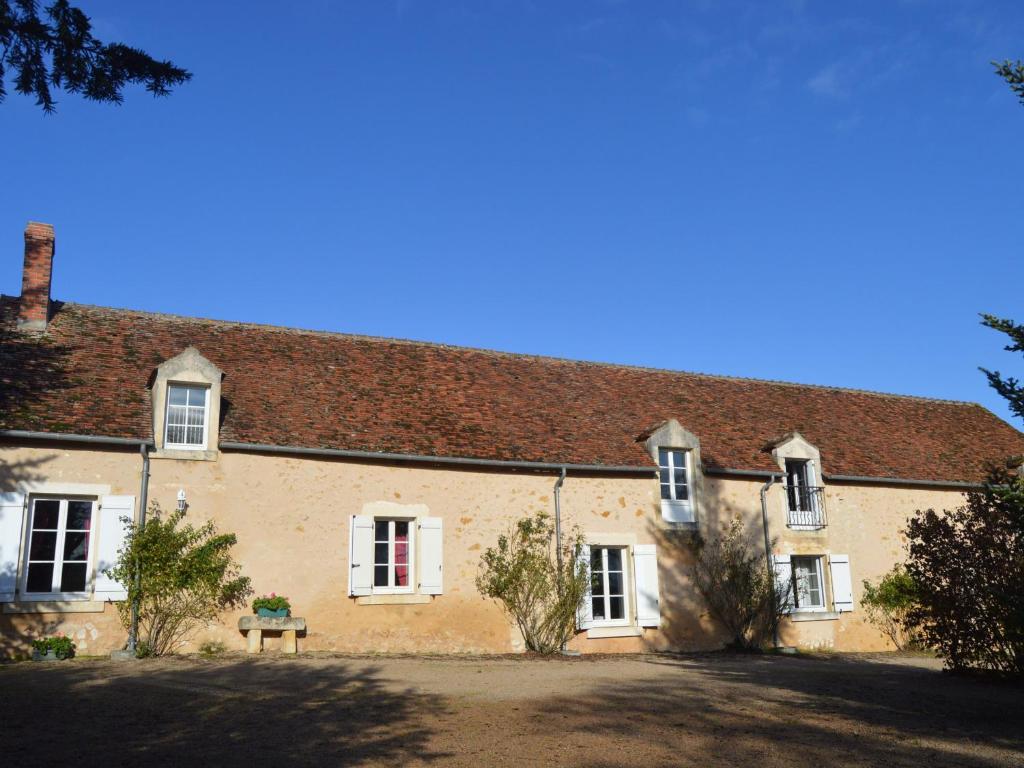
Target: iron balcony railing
x: 806, y: 505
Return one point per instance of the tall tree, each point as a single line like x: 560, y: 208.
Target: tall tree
x: 1013, y: 73
x: 1010, y: 388
x: 57, y: 50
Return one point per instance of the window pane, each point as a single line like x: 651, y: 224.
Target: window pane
x: 618, y: 607
x: 596, y: 562
x: 79, y: 515
x: 401, y: 575
x: 666, y: 491
x: 177, y: 395
x: 665, y: 475
x: 193, y: 435
x: 380, y: 530
x: 598, y: 607
x: 679, y: 477
x: 596, y: 584
x: 380, y: 553
x: 615, y: 583
x: 679, y: 459
x: 40, y: 577
x: 614, y: 559
x: 47, y: 514
x: 176, y: 415
x: 44, y: 545
x: 197, y: 395
x: 76, y: 546
x: 195, y: 417
x: 380, y: 576
x: 72, y: 577
x: 662, y: 457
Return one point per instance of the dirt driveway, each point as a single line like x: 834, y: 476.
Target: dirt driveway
x: 644, y: 710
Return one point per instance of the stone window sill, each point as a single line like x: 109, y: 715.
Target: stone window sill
x: 393, y: 599
x: 184, y: 454
x: 596, y: 633
x: 54, y: 606
x: 813, y: 616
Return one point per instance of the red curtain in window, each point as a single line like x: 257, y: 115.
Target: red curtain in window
x: 401, y: 559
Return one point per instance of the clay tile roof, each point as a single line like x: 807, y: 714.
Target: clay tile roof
x: 89, y: 373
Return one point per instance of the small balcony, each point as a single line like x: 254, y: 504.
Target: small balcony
x: 806, y: 506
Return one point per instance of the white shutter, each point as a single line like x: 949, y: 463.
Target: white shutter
x: 585, y: 612
x: 12, y: 514
x: 645, y: 575
x: 360, y: 555
x: 842, y: 583
x: 431, y: 565
x: 116, y: 515
x: 784, y: 580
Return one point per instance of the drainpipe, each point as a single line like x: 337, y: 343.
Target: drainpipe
x: 133, y: 631
x: 768, y: 548
x: 558, y: 518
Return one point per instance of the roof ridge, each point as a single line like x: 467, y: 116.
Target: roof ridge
x: 517, y: 355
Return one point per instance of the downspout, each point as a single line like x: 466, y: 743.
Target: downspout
x: 558, y: 517
x: 133, y: 631
x: 768, y: 549
x: 558, y: 540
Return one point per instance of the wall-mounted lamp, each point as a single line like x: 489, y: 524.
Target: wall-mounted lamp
x: 182, y: 504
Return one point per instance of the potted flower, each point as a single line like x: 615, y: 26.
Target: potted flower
x: 272, y: 605
x: 55, y: 648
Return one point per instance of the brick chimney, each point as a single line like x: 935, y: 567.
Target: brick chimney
x: 34, y: 308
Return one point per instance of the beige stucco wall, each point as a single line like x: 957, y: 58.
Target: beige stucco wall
x: 291, y: 516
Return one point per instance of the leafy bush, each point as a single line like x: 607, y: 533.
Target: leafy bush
x: 737, y: 587
x: 887, y: 605
x: 968, y: 567
x: 62, y: 646
x: 523, y: 574
x: 180, y: 576
x: 272, y: 602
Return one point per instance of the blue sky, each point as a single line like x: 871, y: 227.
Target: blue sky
x: 810, y: 191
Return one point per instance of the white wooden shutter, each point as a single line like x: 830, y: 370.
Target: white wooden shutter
x: 12, y: 515
x: 115, y: 517
x: 645, y: 575
x: 842, y: 583
x: 784, y: 580
x: 585, y: 612
x: 360, y: 555
x: 431, y: 565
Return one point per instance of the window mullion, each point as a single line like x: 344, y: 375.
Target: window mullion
x: 391, y: 554
x: 58, y: 557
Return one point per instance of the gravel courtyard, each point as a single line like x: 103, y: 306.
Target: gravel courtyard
x: 640, y: 710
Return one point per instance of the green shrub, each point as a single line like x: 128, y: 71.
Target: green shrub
x: 180, y: 576
x: 887, y: 605
x: 523, y: 574
x: 968, y: 569
x: 62, y: 645
x: 272, y: 602
x: 737, y: 587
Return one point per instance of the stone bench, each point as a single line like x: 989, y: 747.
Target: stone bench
x: 255, y: 626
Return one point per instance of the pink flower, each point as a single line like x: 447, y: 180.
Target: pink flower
x: 273, y: 594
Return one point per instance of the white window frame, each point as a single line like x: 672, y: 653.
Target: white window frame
x: 820, y: 572
x: 206, y: 416
x: 673, y: 507
x: 411, y: 547
x: 627, y: 586
x: 58, y: 552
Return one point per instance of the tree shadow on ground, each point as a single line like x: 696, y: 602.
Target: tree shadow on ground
x: 727, y: 710
x: 223, y: 713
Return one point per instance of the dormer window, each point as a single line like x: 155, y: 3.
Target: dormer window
x: 186, y: 416
x: 676, y: 481
x: 804, y: 492
x: 186, y: 407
